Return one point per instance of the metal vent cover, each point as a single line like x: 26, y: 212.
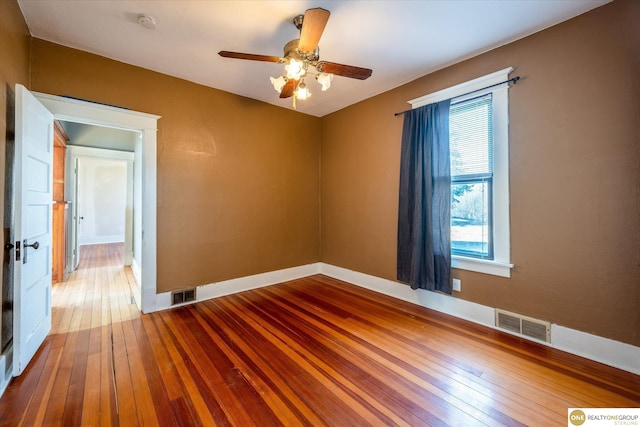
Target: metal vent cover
x: 508, y: 322
x: 189, y: 295
x: 528, y: 326
x: 183, y: 296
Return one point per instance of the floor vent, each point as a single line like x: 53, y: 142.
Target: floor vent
x: 182, y: 296
x: 523, y: 325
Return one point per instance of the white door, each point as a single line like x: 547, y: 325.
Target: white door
x: 33, y: 203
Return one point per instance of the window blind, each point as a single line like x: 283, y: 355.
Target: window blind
x: 471, y: 137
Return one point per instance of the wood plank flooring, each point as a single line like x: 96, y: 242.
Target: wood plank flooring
x: 310, y: 352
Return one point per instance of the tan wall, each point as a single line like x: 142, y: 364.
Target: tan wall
x: 575, y: 175
x: 14, y: 68
x: 238, y: 188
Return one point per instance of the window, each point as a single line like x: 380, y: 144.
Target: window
x: 478, y: 130
x: 471, y: 140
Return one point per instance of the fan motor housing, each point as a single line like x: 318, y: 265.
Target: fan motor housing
x: 291, y: 51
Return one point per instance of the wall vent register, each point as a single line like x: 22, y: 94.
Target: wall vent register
x: 523, y: 325
x: 183, y: 296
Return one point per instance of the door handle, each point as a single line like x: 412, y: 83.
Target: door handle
x: 8, y: 246
x: 34, y: 245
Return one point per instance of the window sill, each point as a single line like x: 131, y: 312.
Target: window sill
x: 495, y: 268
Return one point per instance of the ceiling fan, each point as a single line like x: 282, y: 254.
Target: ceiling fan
x: 301, y: 55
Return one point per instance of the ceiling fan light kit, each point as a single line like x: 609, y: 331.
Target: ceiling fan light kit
x: 295, y: 69
x: 325, y: 80
x: 278, y: 83
x: 302, y: 92
x: 301, y: 55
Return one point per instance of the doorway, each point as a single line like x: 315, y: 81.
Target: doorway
x: 144, y: 200
x: 100, y: 188
x: 35, y: 115
x: 102, y: 195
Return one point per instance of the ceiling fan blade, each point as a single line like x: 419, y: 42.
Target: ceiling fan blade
x: 312, y: 27
x: 250, y: 56
x: 288, y: 88
x: 344, y: 70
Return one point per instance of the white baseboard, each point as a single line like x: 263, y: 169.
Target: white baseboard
x: 456, y: 307
x: 135, y: 269
x: 227, y: 287
x: 6, y: 371
x: 136, y: 290
x: 604, y: 350
x: 128, y: 257
x: 594, y: 347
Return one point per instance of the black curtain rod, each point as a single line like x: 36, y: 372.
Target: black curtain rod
x: 514, y: 80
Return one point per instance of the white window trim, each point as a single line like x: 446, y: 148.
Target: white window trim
x: 501, y: 264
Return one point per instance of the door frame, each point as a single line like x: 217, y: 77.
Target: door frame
x: 74, y: 110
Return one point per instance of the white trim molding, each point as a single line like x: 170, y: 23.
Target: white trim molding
x: 604, y: 350
x: 233, y: 286
x: 462, y: 88
x: 135, y: 269
x: 6, y: 372
x: 481, y: 265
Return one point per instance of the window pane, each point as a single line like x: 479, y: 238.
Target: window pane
x: 471, y: 136
x: 470, y: 219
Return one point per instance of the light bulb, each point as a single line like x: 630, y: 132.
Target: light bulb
x: 295, y: 69
x: 325, y: 80
x: 302, y: 92
x: 278, y: 83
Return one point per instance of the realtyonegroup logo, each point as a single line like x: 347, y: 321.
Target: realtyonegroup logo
x: 601, y: 417
x: 577, y: 417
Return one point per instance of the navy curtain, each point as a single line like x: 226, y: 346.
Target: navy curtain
x: 424, y: 216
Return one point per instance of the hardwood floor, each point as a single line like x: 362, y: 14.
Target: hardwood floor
x: 309, y: 352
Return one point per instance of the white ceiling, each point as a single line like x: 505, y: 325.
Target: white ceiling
x: 399, y: 40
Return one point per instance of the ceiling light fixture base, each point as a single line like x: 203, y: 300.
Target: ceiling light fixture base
x: 148, y: 22
x: 297, y: 21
